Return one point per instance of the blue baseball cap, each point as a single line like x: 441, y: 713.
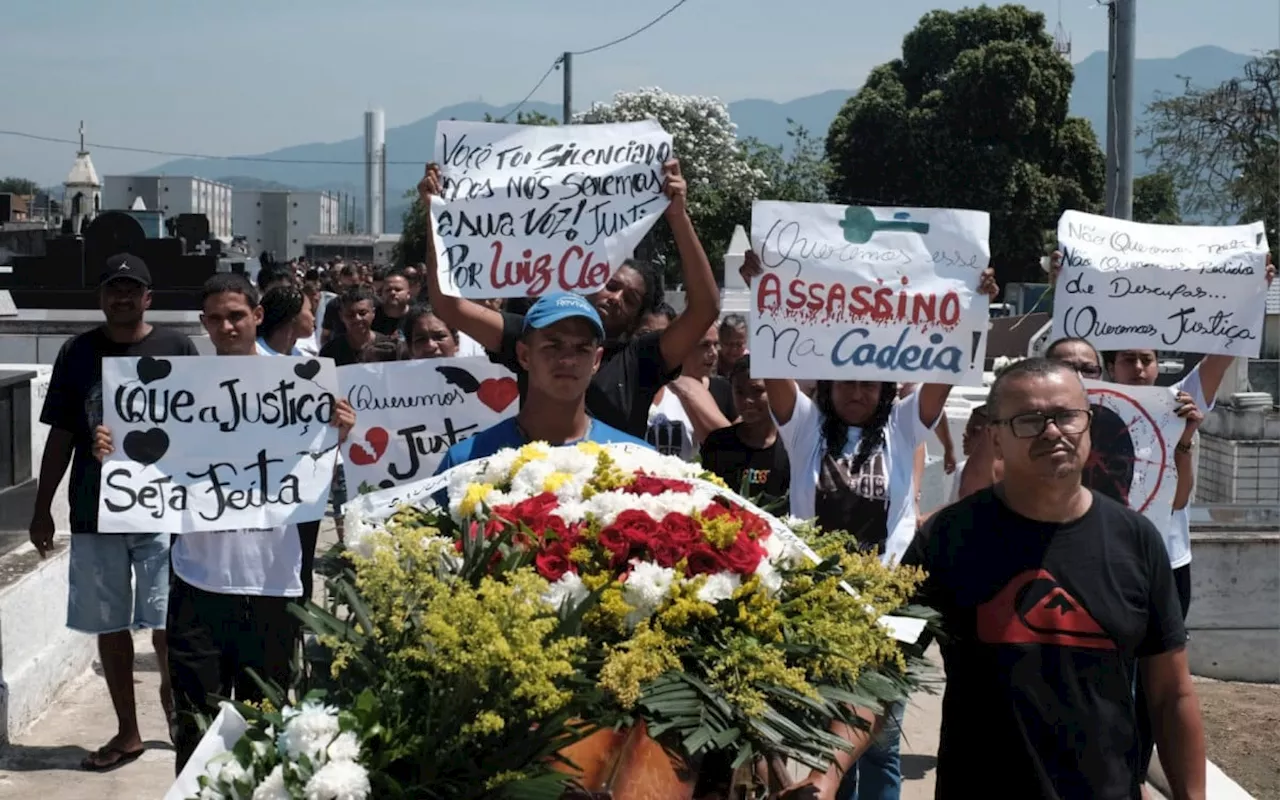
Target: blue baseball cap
x: 556, y: 306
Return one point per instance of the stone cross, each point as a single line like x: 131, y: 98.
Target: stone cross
x: 202, y: 248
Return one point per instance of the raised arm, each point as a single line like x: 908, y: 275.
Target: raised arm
x: 702, y: 297
x: 480, y: 323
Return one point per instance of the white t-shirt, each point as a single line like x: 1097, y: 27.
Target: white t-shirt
x: 805, y: 445
x: 953, y: 494
x: 265, y: 561
x: 1177, y: 539
x: 309, y: 346
x: 468, y: 347
x: 264, y: 349
x: 670, y: 429
x: 247, y: 562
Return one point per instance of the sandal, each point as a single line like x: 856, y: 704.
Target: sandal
x: 108, y: 757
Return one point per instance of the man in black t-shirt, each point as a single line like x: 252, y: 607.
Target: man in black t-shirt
x: 1052, y: 598
x: 634, y: 368
x: 331, y: 325
x: 359, y: 306
x: 104, y: 567
x: 395, y: 299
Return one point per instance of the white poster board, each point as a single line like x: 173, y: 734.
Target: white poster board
x: 1190, y: 288
x: 1133, y: 435
x: 409, y: 413
x: 529, y: 209
x: 877, y: 294
x: 204, y: 443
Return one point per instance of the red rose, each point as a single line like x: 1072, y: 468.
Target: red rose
x: 715, y: 510
x: 535, y: 507
x: 704, y: 560
x: 680, y: 530
x: 552, y: 563
x: 649, y: 485
x: 613, y: 540
x: 666, y: 553
x: 637, y: 527
x: 744, y: 555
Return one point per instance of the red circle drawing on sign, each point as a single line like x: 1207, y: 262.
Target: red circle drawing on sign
x: 1141, y: 428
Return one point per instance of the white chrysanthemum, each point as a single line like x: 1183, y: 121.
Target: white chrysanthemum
x: 272, y: 786
x: 338, y: 780
x: 645, y: 588
x: 570, y: 510
x: 231, y: 771
x: 782, y: 552
x: 572, y: 460
x: 720, y: 586
x: 309, y: 731
x: 496, y: 468
x: 209, y: 793
x: 769, y: 576
x: 569, y: 589
x: 345, y: 748
x: 529, y: 480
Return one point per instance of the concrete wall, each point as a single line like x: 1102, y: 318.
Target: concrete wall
x: 38, y: 654
x: 28, y: 349
x: 1234, y: 620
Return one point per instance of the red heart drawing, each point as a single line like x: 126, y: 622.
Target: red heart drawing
x: 377, y: 438
x: 498, y: 393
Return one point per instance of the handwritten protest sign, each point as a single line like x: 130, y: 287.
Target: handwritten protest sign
x: 527, y: 209
x: 1191, y: 288
x: 868, y: 293
x: 408, y: 413
x: 1134, y: 431
x: 206, y: 444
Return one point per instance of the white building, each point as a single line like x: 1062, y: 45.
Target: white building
x: 173, y: 195
x: 81, y: 191
x: 279, y: 221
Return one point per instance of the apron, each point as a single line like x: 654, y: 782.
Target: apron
x: 857, y: 503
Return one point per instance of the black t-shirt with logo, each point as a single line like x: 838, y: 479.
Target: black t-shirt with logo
x: 74, y: 404
x: 1045, y: 625
x: 385, y: 325
x: 767, y: 471
x: 621, y: 392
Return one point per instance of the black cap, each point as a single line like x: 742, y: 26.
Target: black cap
x: 125, y: 267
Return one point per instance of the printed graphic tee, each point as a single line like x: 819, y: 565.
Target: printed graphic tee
x: 670, y: 430
x: 74, y: 404
x: 767, y: 471
x: 877, y: 504
x: 1045, y: 625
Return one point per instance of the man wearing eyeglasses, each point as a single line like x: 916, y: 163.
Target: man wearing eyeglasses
x: 1053, y: 598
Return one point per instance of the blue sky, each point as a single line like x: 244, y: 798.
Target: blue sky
x: 255, y: 75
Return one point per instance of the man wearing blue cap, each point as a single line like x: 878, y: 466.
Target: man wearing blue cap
x: 560, y: 349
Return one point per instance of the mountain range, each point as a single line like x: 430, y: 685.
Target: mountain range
x: 410, y: 146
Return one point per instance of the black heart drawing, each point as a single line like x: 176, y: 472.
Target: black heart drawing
x: 153, y: 369
x: 146, y: 447
x: 308, y: 370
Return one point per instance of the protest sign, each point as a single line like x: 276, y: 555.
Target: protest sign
x: 1134, y: 432
x: 1190, y: 288
x: 529, y: 209
x: 856, y: 293
x: 203, y: 443
x: 408, y: 413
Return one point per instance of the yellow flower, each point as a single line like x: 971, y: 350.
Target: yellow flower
x: 590, y: 448
x: 649, y: 653
x: 533, y: 451
x: 473, y: 497
x: 555, y: 480
x: 721, y: 532
x: 712, y: 478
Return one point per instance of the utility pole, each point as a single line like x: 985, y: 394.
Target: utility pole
x: 1122, y: 18
x: 566, y: 62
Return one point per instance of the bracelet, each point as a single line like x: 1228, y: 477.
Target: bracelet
x: 1182, y: 448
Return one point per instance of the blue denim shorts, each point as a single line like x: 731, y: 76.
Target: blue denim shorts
x: 118, y: 582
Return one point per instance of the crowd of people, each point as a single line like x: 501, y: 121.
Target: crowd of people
x: 1071, y: 704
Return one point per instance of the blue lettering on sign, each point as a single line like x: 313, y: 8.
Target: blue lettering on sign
x: 895, y: 357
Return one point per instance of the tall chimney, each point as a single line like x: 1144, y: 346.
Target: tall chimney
x: 375, y: 177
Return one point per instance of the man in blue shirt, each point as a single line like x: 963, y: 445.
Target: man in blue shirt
x: 560, y: 349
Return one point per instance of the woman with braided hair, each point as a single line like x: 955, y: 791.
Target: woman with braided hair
x: 852, y: 450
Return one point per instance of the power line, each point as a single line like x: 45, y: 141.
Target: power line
x: 535, y: 88
x: 634, y: 33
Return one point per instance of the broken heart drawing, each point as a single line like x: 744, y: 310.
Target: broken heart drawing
x: 377, y: 440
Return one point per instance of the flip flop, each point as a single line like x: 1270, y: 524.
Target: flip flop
x: 108, y: 757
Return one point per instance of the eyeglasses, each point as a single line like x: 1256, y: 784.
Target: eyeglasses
x: 1070, y: 421
x: 1085, y: 370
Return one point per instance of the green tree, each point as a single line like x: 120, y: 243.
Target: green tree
x: 800, y: 174
x: 1155, y: 199
x: 974, y: 115
x: 1222, y: 146
x: 412, y: 247
x: 15, y: 185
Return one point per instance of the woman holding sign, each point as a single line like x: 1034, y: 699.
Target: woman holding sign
x: 852, y: 449
x: 634, y: 367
